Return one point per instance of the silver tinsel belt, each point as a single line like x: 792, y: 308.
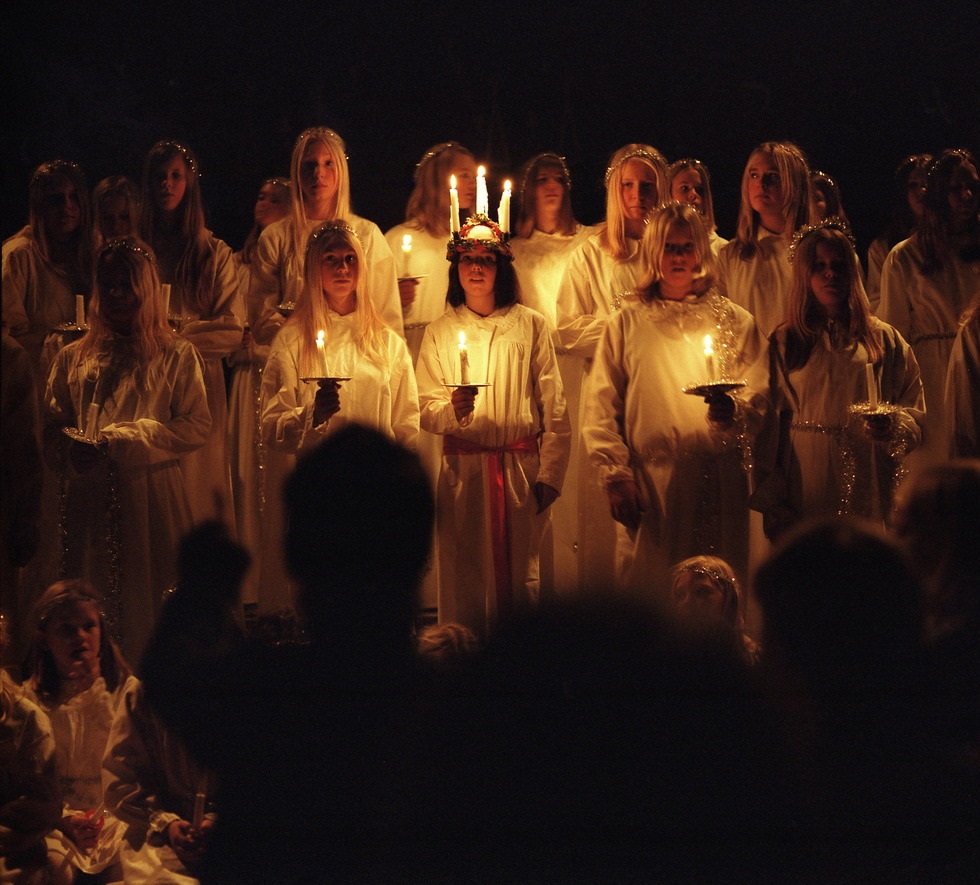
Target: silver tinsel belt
x: 812, y: 427
x: 410, y: 326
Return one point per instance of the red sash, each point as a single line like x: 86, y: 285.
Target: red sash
x: 499, y: 528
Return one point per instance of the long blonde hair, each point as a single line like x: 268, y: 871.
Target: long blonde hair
x: 807, y: 319
x: 428, y: 204
x: 613, y: 235
x: 794, y: 174
x: 338, y: 153
x: 151, y: 330
x: 311, y: 313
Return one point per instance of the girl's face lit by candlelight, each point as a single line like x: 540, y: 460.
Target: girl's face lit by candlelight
x: 916, y: 191
x: 115, y: 218
x: 638, y: 190
x: 170, y: 184
x: 679, y: 262
x: 464, y: 168
x: 699, y: 598
x: 687, y: 187
x: 478, y: 274
x: 765, y: 185
x: 338, y: 272
x: 271, y: 205
x: 118, y: 301
x: 61, y: 212
x: 830, y: 277
x: 964, y: 196
x: 72, y: 636
x: 549, y: 189
x: 318, y: 180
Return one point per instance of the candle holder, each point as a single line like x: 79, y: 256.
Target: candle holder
x: 458, y: 384
x: 71, y: 328
x: 177, y: 320
x: 867, y: 410
x: 414, y: 276
x: 707, y: 389
x: 76, y: 435
x: 286, y: 308
x: 328, y: 379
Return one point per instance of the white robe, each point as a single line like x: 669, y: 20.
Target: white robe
x: 150, y: 781
x: 148, y: 425
x: 926, y: 310
x: 540, y: 261
x: 594, y: 287
x: 80, y: 726
x: 762, y: 284
x: 816, y: 460
x: 963, y: 391
x: 277, y: 273
x: 215, y: 332
x: 512, y: 351
x: 384, y: 397
x: 639, y: 424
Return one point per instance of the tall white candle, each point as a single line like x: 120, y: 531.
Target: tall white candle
x: 407, y: 255
x: 321, y: 354
x: 503, y: 213
x: 166, y: 297
x: 464, y: 360
x: 709, y: 358
x: 79, y: 310
x: 869, y: 376
x: 92, y: 421
x: 482, y: 197
x: 453, y: 206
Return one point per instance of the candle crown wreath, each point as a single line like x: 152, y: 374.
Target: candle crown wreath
x: 835, y: 222
x: 479, y: 234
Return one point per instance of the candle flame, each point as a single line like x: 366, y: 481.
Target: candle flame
x: 407, y: 243
x: 481, y: 171
x: 452, y: 182
x: 507, y: 186
x: 708, y: 346
x: 319, y: 338
x: 462, y: 341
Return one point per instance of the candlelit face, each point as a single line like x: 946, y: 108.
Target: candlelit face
x: 478, y: 274
x: 170, y: 183
x: 819, y: 199
x: 964, y: 195
x: 271, y: 205
x: 765, y: 185
x: 688, y: 187
x: 830, y: 277
x: 318, y: 180
x: 917, y: 191
x: 638, y: 190
x: 72, y: 635
x: 549, y: 189
x: 115, y: 217
x: 679, y: 263
x: 699, y: 598
x: 465, y: 171
x: 338, y: 271
x: 118, y: 302
x: 61, y: 211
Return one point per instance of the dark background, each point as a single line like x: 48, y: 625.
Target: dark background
x: 857, y: 88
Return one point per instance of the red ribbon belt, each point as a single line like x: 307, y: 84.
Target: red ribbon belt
x: 499, y: 523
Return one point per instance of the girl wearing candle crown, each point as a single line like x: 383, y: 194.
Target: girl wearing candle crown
x: 672, y: 468
x: 206, y: 301
x: 689, y: 182
x: 602, y: 272
x: 423, y: 274
x: 753, y: 269
x: 505, y: 445
x: 817, y: 456
x: 140, y: 390
x: 320, y: 182
x: 929, y: 280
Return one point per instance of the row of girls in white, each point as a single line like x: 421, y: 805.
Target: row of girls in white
x: 577, y: 279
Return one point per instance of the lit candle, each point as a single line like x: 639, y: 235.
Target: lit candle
x: 407, y: 255
x: 464, y: 360
x: 92, y: 421
x: 199, y: 799
x: 321, y: 354
x: 166, y: 297
x: 869, y: 375
x: 709, y: 357
x: 79, y: 310
x: 453, y: 206
x: 503, y: 213
x: 482, y: 197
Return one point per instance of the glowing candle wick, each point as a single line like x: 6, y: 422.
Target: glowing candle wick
x: 709, y: 357
x: 322, y: 354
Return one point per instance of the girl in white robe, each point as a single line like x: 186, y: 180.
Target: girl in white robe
x: 673, y: 470
x: 505, y: 441
x: 205, y: 306
x: 136, y: 392
x: 547, y: 235
x: 602, y: 274
x: 820, y: 457
x: 77, y: 675
x: 753, y: 269
x: 931, y: 279
x: 360, y: 368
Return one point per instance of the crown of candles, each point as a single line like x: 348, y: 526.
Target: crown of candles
x: 479, y: 233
